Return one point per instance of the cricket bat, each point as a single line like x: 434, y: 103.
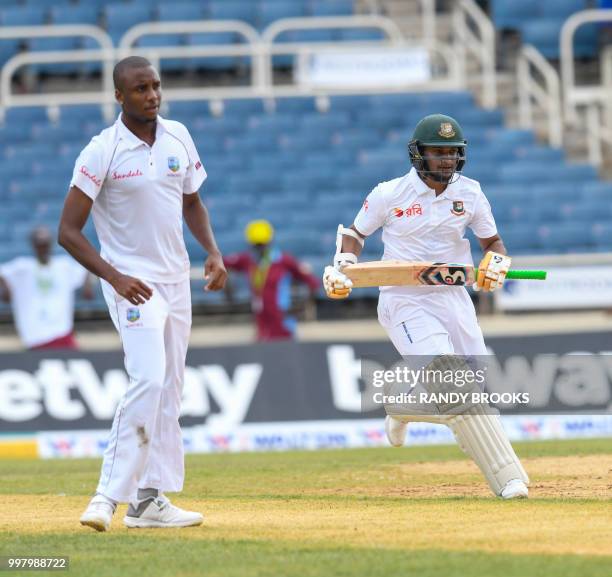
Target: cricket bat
x: 405, y: 273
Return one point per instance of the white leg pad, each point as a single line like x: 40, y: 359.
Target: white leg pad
x: 482, y: 437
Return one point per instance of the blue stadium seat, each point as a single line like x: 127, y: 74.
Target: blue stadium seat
x: 179, y: 11
x: 22, y: 16
x: 243, y: 107
x: 47, y: 44
x: 361, y: 34
x: 295, y: 105
x: 601, y: 235
x: 540, y: 153
x: 510, y: 15
x: 271, y: 10
x: 599, y: 190
x: 74, y: 14
x: 354, y: 103
x: 121, y: 16
x: 81, y: 113
x: 578, y: 173
x: 8, y: 49
x: 216, y: 62
x: 189, y: 109
x: 273, y: 124
x: 528, y: 172
x: 52, y: 135
x: 544, y: 34
x: 26, y: 115
x: 585, y: 212
x: 245, y: 10
x: 509, y: 137
x: 331, y: 121
x: 520, y: 238
x: 321, y: 35
x: 153, y: 41
x: 331, y: 7
x: 562, y: 8
x: 565, y: 237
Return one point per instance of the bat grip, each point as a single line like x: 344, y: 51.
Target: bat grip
x: 527, y: 274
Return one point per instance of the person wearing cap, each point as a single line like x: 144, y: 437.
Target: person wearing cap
x: 424, y: 216
x: 41, y: 290
x: 270, y: 272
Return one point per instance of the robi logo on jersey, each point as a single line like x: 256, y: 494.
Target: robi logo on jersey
x: 414, y: 210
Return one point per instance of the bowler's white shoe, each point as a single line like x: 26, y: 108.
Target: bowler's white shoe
x: 159, y: 512
x: 514, y: 489
x: 99, y: 513
x: 396, y: 431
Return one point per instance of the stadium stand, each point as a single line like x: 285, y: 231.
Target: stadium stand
x: 540, y: 23
x: 330, y: 161
x: 328, y: 157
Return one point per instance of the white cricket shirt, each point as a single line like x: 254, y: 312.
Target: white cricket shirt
x: 42, y: 296
x: 420, y: 226
x: 138, y: 191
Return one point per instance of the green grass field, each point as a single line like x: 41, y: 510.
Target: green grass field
x: 420, y: 510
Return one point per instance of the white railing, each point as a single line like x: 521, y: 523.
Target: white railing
x: 574, y: 95
x: 105, y: 55
x: 250, y: 48
x: 467, y: 14
x: 595, y: 99
x: 260, y: 48
x: 546, y: 95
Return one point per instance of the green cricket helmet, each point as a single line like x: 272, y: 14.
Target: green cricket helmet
x: 436, y: 130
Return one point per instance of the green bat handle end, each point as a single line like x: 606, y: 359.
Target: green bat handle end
x: 523, y: 274
x: 527, y: 274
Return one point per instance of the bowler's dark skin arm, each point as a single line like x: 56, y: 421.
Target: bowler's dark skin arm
x: 198, y: 221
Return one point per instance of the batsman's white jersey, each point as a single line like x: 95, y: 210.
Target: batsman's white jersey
x: 428, y: 322
x: 420, y: 226
x: 138, y: 191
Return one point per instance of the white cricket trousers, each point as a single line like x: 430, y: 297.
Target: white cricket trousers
x: 145, y: 448
x: 432, y: 323
x: 442, y: 321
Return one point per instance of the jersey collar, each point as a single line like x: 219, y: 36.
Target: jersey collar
x: 419, y: 186
x: 132, y: 140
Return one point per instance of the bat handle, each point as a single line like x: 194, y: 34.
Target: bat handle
x: 523, y: 274
x: 527, y: 274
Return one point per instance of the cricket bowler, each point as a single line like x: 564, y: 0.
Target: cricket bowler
x: 424, y: 215
x: 140, y: 179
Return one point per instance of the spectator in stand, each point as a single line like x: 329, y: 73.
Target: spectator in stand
x: 270, y: 272
x: 41, y: 292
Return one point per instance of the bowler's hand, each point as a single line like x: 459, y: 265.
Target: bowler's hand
x: 214, y: 272
x: 131, y: 289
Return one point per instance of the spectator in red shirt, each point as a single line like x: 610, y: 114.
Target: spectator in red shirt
x: 270, y: 272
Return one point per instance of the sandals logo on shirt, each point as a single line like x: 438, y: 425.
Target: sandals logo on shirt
x: 458, y: 208
x: 132, y: 315
x: 173, y: 163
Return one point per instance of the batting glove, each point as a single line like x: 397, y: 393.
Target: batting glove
x: 336, y: 284
x: 492, y: 272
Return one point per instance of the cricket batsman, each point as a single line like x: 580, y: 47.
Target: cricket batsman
x: 424, y: 215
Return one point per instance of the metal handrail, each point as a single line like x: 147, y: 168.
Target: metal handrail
x: 259, y: 50
x: 548, y: 97
x: 55, y: 31
x: 574, y: 95
x: 483, y: 48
